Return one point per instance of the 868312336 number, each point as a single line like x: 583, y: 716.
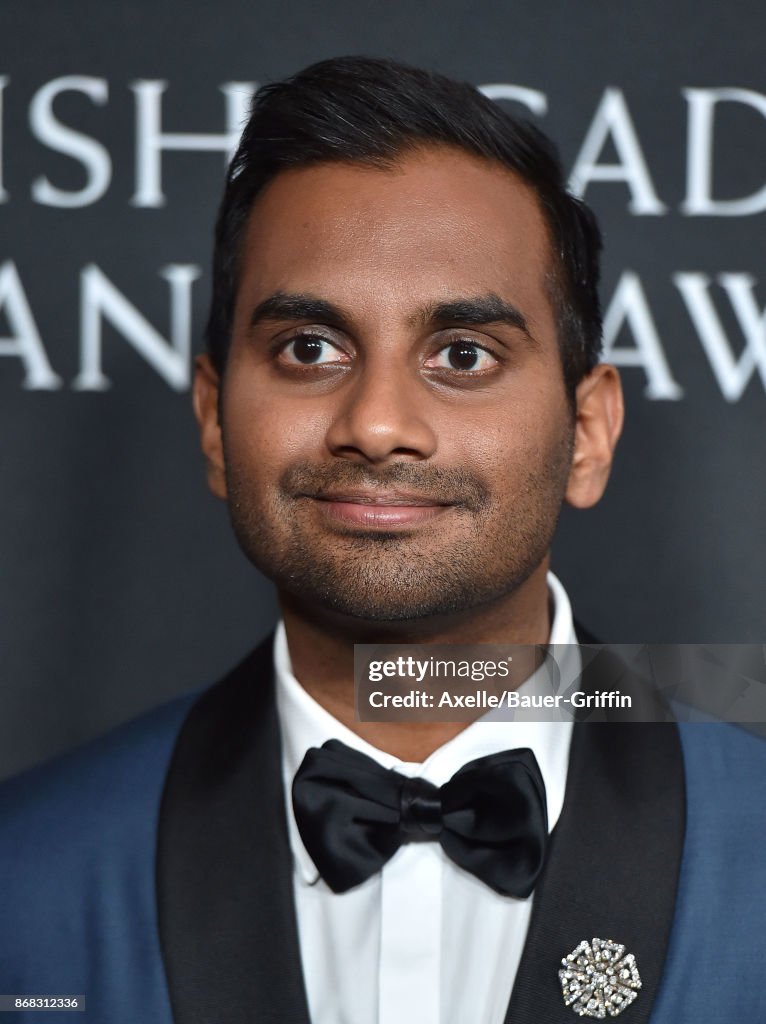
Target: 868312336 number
x: 40, y: 1002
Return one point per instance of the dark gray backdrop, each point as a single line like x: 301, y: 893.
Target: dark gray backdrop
x: 121, y: 583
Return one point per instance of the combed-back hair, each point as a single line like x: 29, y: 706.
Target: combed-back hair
x: 370, y: 111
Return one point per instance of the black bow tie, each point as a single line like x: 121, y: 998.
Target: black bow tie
x: 490, y: 818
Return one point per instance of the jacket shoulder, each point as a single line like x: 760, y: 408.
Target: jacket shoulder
x: 727, y: 760
x: 77, y: 842
x: 96, y: 789
x: 717, y: 935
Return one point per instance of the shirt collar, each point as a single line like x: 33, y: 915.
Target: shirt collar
x: 304, y: 723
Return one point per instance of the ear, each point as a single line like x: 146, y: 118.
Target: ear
x: 600, y: 413
x: 205, y: 397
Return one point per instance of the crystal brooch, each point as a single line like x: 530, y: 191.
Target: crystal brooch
x: 598, y: 979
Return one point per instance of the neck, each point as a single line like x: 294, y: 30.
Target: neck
x: 322, y: 655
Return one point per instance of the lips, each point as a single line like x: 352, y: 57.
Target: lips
x: 378, y: 509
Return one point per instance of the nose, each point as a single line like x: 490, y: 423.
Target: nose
x: 382, y: 417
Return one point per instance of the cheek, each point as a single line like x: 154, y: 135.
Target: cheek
x: 513, y: 445
x: 263, y: 435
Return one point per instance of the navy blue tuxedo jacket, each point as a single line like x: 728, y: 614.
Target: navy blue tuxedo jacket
x: 151, y: 871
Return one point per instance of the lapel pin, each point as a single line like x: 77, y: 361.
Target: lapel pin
x: 599, y: 979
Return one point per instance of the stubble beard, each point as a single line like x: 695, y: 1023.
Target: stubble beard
x: 482, y: 554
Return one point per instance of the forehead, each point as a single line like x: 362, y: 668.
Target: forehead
x: 437, y: 223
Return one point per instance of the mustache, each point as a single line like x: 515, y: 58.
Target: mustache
x: 434, y: 483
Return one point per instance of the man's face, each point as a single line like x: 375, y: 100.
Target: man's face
x: 396, y: 434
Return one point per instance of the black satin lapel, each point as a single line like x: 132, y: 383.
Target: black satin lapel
x: 224, y: 868
x: 613, y: 860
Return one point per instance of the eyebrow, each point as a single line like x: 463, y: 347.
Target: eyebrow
x: 473, y: 311
x: 299, y: 306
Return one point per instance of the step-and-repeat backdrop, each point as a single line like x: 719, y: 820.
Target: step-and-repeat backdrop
x: 121, y: 582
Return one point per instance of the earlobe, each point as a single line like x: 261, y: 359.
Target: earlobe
x: 598, y: 426
x: 205, y: 396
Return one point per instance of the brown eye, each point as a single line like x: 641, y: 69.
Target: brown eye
x: 311, y: 350
x: 307, y: 350
x: 464, y: 356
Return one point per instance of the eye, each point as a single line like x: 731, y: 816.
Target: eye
x: 463, y: 355
x: 311, y: 350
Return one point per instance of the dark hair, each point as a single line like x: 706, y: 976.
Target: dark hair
x: 369, y: 111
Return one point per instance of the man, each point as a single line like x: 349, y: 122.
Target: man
x: 401, y: 387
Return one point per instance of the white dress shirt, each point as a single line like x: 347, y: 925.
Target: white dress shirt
x: 423, y: 940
